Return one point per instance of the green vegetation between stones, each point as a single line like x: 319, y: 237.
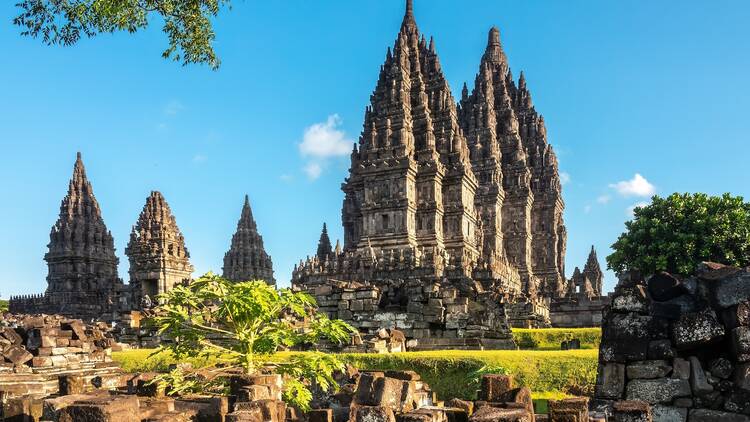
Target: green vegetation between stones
x: 450, y: 373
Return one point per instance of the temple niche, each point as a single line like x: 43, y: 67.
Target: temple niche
x: 82, y: 278
x: 247, y: 259
x: 158, y: 257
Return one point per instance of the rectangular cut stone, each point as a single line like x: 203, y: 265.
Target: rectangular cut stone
x: 17, y: 354
x: 102, y: 409
x: 740, y: 337
x: 663, y: 413
x: 661, y: 390
x: 70, y: 384
x: 569, y: 410
x: 494, y: 386
x: 610, y: 381
x: 732, y: 290
x: 495, y: 414
x: 648, y: 369
x: 320, y: 415
x: 707, y: 415
x: 631, y: 411
x: 373, y: 414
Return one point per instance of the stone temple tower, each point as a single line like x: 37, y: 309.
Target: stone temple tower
x: 156, y: 251
x: 82, y: 266
x: 247, y: 259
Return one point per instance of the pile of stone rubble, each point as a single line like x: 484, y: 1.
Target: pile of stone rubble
x: 679, y: 344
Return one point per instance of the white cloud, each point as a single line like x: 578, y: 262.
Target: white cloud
x: 199, y: 158
x: 313, y: 170
x: 603, y: 199
x: 637, y: 186
x: 564, y: 178
x: 630, y: 211
x: 173, y: 108
x: 324, y: 139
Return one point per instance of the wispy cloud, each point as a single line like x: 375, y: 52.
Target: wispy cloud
x: 603, y: 199
x: 323, y: 141
x: 564, y: 178
x: 173, y: 108
x: 313, y: 170
x: 637, y: 186
x: 286, y: 177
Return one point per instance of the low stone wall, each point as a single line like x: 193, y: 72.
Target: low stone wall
x: 578, y: 312
x: 682, y: 345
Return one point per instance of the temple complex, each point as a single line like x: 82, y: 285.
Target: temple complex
x: 582, y: 304
x: 82, y: 276
x: 247, y: 258
x: 156, y: 251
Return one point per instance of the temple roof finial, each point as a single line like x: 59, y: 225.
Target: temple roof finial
x: 409, y: 21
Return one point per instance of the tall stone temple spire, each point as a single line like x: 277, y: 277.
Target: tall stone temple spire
x: 519, y: 197
x: 410, y: 172
x: 247, y: 259
x: 156, y: 251
x: 593, y: 272
x: 325, y: 251
x: 82, y: 266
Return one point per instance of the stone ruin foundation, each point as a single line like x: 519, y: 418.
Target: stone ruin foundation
x: 682, y: 345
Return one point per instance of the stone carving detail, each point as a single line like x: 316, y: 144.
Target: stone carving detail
x: 246, y: 258
x: 82, y: 266
x: 157, y: 253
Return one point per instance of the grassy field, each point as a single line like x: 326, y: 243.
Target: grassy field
x: 550, y: 338
x: 452, y: 373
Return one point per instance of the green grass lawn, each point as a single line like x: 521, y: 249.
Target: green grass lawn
x: 550, y: 338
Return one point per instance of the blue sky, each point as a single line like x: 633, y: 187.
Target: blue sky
x: 654, y: 89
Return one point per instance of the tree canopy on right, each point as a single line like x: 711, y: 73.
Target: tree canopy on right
x: 675, y: 233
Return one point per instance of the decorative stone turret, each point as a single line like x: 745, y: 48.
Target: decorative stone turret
x: 157, y: 253
x: 325, y: 251
x: 247, y: 259
x: 594, y: 273
x: 82, y: 266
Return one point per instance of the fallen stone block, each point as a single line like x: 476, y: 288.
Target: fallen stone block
x: 698, y: 382
x: 495, y: 414
x: 732, y: 290
x: 721, y: 368
x: 661, y: 413
x: 251, y: 415
x: 631, y: 411
x: 610, y: 381
x: 664, y: 286
x: 372, y: 414
x: 17, y: 355
x: 70, y: 384
x: 742, y: 376
x: 493, y: 387
x: 22, y: 409
x: 271, y: 410
x: 320, y: 415
x: 740, y: 344
x: 569, y: 410
x: 465, y: 405
x: 102, y: 409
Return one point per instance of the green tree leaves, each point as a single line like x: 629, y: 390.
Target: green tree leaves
x: 241, y: 326
x: 675, y: 233
x: 187, y: 23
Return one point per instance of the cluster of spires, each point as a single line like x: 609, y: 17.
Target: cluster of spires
x: 82, y: 261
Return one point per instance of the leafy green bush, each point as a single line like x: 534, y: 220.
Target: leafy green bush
x: 675, y: 233
x: 238, y: 328
x: 3, y: 305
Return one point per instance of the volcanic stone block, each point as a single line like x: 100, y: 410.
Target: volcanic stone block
x: 631, y: 411
x: 21, y: 409
x: 320, y: 415
x: 373, y: 414
x: 17, y: 354
x: 610, y: 380
x: 270, y: 410
x: 680, y: 368
x: 494, y: 386
x: 495, y: 414
x: 630, y: 299
x: 625, y: 337
x: 707, y: 415
x: 465, y: 405
x: 70, y: 384
x: 403, y: 375
x: 11, y: 335
x: 664, y: 286
x: 569, y: 410
x: 414, y: 416
x: 732, y: 290
x: 738, y: 401
x: 721, y: 368
x: 660, y: 390
x: 698, y: 381
x: 737, y: 315
x: 696, y: 329
x: 648, y: 369
x: 660, y: 349
x: 740, y: 337
x: 661, y: 413
x: 250, y: 415
x: 102, y: 409
x: 742, y: 376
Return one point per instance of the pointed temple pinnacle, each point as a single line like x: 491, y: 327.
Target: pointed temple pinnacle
x: 409, y: 22
x: 409, y: 9
x: 494, y: 36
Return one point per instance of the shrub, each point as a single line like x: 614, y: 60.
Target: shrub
x: 675, y: 233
